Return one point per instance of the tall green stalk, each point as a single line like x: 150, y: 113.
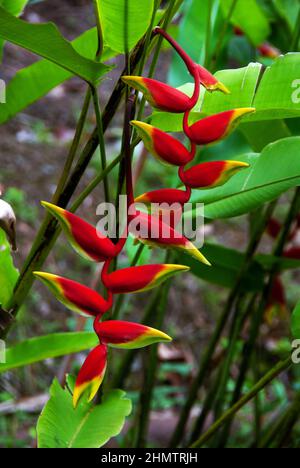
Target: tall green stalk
x: 221, y: 323
x: 271, y: 375
x: 258, y: 315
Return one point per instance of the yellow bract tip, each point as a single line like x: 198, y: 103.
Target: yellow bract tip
x: 194, y: 252
x: 53, y: 209
x: 243, y: 111
x: 237, y: 164
x: 44, y: 275
x: 142, y: 126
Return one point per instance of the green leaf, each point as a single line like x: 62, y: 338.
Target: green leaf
x: 272, y: 173
x: 261, y: 134
x: 288, y: 10
x: 226, y: 265
x: 46, y: 41
x: 119, y: 28
x: 295, y: 322
x: 35, y: 81
x: 249, y: 16
x: 15, y: 7
x: 8, y: 273
x: 278, y: 94
x: 60, y: 426
x: 46, y: 347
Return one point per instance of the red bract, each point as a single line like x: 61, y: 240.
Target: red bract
x: 216, y: 127
x: 211, y: 174
x: 91, y: 374
x: 84, y: 237
x: 159, y: 94
x: 75, y: 296
x: 152, y: 231
x: 140, y: 278
x: 162, y: 145
x: 128, y: 335
x: 165, y: 196
x: 210, y: 82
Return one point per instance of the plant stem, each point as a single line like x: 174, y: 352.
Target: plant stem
x: 222, y: 34
x: 126, y: 363
x: 271, y: 375
x: 149, y: 378
x: 257, y: 318
x: 99, y: 29
x: 208, y: 34
x: 121, y: 298
x: 204, y: 363
x: 296, y: 35
x: 101, y: 140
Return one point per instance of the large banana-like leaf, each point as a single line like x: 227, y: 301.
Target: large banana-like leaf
x: 250, y: 17
x: 124, y: 22
x: 270, y: 174
x: 89, y: 426
x: 46, y: 41
x: 35, y: 81
x: 45, y: 347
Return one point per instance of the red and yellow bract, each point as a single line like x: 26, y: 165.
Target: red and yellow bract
x: 163, y: 146
x: 91, y: 374
x: 211, y: 174
x: 216, y: 127
x: 140, y: 278
x: 85, y: 238
x: 128, y: 335
x: 75, y: 296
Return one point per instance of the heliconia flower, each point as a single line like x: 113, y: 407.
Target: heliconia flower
x: 215, y: 127
x: 168, y: 196
x: 75, y: 296
x: 83, y: 237
x: 163, y: 146
x: 210, y: 82
x: 268, y: 50
x: 91, y: 374
x: 128, y: 335
x: 140, y: 278
x: 160, y: 95
x: 210, y: 174
x: 152, y: 231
